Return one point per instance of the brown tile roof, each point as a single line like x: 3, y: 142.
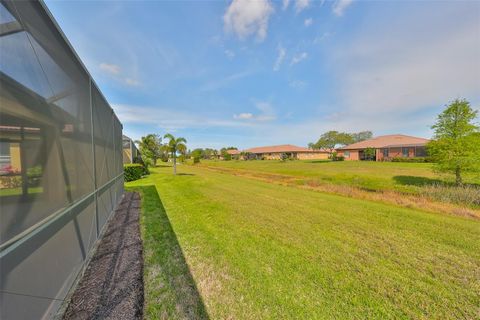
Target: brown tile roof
x: 281, y: 148
x: 391, y: 140
x: 233, y: 152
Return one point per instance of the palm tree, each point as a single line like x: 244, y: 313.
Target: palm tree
x: 151, y: 147
x: 175, y: 145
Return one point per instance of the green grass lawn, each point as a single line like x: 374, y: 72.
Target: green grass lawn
x: 404, y: 177
x: 226, y: 247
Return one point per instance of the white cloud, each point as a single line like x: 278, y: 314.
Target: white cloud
x: 285, y: 4
x: 301, y: 5
x: 229, y: 53
x: 298, y: 58
x: 414, y: 71
x: 169, y: 118
x: 267, y: 113
x: 245, y: 18
x: 340, y: 6
x: 281, y: 56
x: 308, y: 22
x: 243, y: 116
x: 110, y: 68
x: 398, y: 75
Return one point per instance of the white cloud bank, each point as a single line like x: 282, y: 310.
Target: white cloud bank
x: 396, y: 79
x: 245, y: 18
x: 169, y: 118
x: 413, y: 69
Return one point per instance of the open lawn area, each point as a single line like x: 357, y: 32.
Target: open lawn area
x: 412, y: 185
x: 222, y: 246
x: 369, y: 175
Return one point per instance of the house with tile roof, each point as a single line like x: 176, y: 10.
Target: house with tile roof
x: 291, y: 151
x: 386, y: 148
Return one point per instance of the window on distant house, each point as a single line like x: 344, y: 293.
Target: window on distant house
x: 405, y: 152
x: 420, y: 152
x: 346, y: 154
x: 385, y: 152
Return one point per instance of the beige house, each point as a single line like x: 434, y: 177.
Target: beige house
x: 291, y: 151
x: 129, y: 151
x: 386, y: 148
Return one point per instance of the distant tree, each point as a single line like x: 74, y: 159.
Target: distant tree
x: 175, y: 145
x: 247, y: 155
x: 225, y: 155
x: 456, y: 144
x: 361, y: 136
x: 182, y: 149
x: 369, y: 153
x: 151, y: 148
x: 199, y: 153
x: 329, y: 140
x: 209, y: 153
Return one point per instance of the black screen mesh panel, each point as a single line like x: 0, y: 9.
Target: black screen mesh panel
x: 61, y: 172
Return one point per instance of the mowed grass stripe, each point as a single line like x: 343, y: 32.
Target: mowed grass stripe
x: 263, y: 250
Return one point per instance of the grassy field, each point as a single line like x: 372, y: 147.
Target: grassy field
x: 221, y: 246
x: 405, y: 177
x: 413, y: 185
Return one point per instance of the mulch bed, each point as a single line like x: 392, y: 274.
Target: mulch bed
x: 112, y: 285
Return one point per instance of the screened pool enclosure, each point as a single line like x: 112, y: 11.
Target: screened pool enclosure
x: 61, y: 173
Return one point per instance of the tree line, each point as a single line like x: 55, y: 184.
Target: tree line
x: 154, y: 148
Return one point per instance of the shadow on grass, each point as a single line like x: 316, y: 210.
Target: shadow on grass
x: 162, y: 166
x: 417, y: 181
x: 170, y: 290
x: 185, y: 174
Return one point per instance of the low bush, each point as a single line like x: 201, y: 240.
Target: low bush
x: 412, y: 160
x: 467, y: 195
x: 335, y: 157
x: 196, y: 159
x: 133, y: 171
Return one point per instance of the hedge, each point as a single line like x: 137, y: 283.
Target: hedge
x: 133, y: 171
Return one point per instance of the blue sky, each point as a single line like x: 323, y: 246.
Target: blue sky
x: 252, y: 73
